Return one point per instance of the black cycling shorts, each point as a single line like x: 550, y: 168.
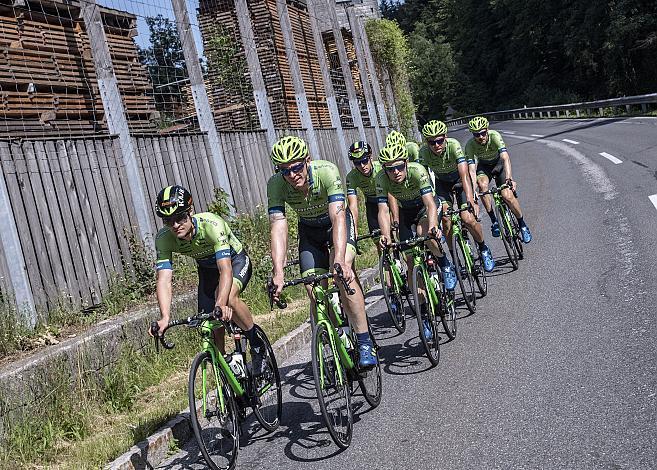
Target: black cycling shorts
x: 444, y: 191
x: 313, y: 246
x: 493, y: 169
x: 372, y: 211
x: 409, y: 216
x: 208, y: 280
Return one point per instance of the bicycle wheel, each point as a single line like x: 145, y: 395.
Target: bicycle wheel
x: 448, y: 313
x: 266, y: 390
x: 517, y: 238
x: 213, y: 413
x: 370, y: 381
x: 463, y: 274
x: 479, y: 272
x: 507, y: 238
x: 333, y: 392
x: 431, y: 346
x: 392, y: 295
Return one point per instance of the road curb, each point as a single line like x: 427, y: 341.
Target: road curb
x: 177, y: 432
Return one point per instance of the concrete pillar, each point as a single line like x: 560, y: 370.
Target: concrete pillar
x: 199, y: 94
x: 328, y: 85
x: 117, y: 121
x: 362, y: 68
x: 297, y: 81
x: 255, y: 72
x: 346, y: 70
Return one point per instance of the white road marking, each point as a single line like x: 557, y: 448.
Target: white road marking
x: 507, y: 132
x: 570, y: 141
x: 653, y: 199
x: 611, y: 158
x: 537, y: 135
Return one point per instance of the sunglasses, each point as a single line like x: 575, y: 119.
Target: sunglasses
x: 175, y: 219
x: 363, y: 161
x: 438, y: 141
x: 480, y: 133
x: 398, y: 167
x: 292, y: 169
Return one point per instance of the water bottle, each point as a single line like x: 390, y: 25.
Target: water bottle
x: 345, y: 335
x: 334, y: 300
x: 435, y: 280
x: 236, y: 364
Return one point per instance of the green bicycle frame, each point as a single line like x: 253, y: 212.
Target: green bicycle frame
x: 430, y: 292
x: 206, y: 329
x: 501, y: 205
x: 456, y: 230
x: 321, y: 297
x: 394, y: 270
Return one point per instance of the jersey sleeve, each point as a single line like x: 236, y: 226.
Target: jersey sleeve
x: 351, y: 184
x: 498, y: 142
x: 163, y: 251
x: 413, y: 150
x: 424, y: 180
x: 331, y: 178
x: 467, y: 151
x: 275, y: 199
x: 218, y: 234
x: 458, y: 152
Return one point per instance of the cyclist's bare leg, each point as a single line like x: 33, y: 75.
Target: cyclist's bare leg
x: 241, y: 314
x: 447, y: 226
x: 473, y: 226
x: 512, y: 202
x: 483, y: 184
x: 354, y: 304
x: 218, y: 335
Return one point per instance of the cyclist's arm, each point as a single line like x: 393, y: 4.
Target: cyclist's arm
x: 394, y: 208
x: 352, y: 203
x: 336, y: 212
x: 465, y: 181
x: 432, y: 212
x: 506, y: 160
x: 383, y: 217
x: 163, y: 291
x: 225, y: 267
x: 472, y: 169
x: 278, y: 232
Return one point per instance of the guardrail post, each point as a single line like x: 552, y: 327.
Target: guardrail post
x: 255, y: 72
x: 601, y: 111
x: 11, y: 247
x: 200, y: 96
x: 117, y: 121
x: 644, y: 107
x: 533, y: 115
x: 540, y: 114
x: 577, y: 112
x: 548, y: 114
x: 628, y: 108
x: 557, y: 113
x: 297, y: 80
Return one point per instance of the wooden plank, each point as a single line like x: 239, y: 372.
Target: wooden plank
x: 203, y: 177
x: 153, y: 144
x: 160, y: 144
x: 57, y: 209
x: 229, y: 151
x: 146, y: 173
x: 32, y: 192
x: 235, y: 170
x: 187, y: 173
x: 203, y: 157
x: 92, y: 209
x: 176, y: 166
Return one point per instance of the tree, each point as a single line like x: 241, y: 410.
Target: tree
x: 165, y: 62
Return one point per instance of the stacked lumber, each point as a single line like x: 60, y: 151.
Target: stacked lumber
x: 337, y: 78
x: 48, y: 83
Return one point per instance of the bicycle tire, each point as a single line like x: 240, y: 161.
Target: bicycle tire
x: 399, y: 319
x: 326, y: 357
x: 269, y: 416
x: 517, y: 238
x: 370, y: 382
x: 507, y: 238
x: 463, y: 274
x: 480, y: 273
x: 448, y: 313
x: 432, y: 348
x: 217, y: 439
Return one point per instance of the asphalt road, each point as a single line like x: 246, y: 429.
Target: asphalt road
x: 558, y: 367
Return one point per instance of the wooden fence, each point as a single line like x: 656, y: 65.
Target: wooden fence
x: 73, y: 207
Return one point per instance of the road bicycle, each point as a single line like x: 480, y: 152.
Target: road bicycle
x: 334, y: 355
x: 464, y: 261
x: 222, y: 387
x: 509, y: 227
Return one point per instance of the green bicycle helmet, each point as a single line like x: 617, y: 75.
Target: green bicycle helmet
x: 395, y: 137
x: 478, y: 123
x: 173, y: 200
x: 391, y: 153
x: 288, y: 149
x: 433, y: 128
x: 359, y: 149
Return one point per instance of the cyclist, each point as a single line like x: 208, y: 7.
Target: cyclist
x: 396, y: 137
x: 409, y: 183
x: 314, y: 190
x: 224, y: 268
x: 363, y: 177
x: 488, y: 149
x: 445, y: 158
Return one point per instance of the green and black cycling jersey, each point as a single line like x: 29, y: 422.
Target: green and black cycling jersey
x: 413, y: 150
x: 212, y: 240
x: 367, y: 184
x: 325, y: 186
x: 444, y: 166
x: 488, y: 153
x: 410, y: 191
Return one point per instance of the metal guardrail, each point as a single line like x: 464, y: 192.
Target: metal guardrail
x: 557, y: 110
